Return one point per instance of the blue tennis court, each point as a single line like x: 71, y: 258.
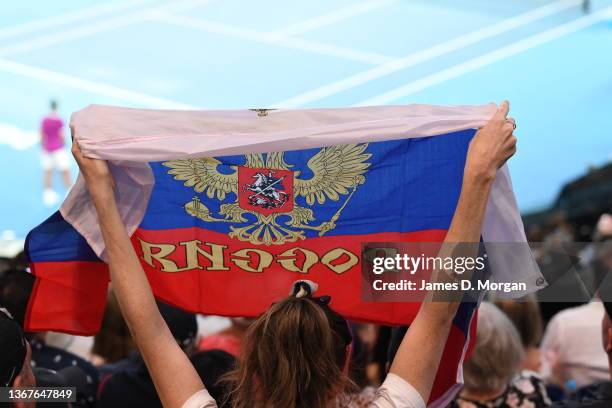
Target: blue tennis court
x: 549, y: 58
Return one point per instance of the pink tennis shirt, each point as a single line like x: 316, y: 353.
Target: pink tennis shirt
x: 51, y: 128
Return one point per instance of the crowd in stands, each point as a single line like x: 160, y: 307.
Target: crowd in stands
x: 519, y: 360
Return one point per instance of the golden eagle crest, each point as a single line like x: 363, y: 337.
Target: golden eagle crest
x: 267, y: 188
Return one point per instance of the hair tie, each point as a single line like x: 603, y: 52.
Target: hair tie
x: 303, y: 288
x: 324, y: 300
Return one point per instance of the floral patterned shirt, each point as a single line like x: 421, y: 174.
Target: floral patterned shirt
x: 526, y: 391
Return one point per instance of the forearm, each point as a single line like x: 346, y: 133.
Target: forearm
x: 461, y: 240
x: 129, y: 280
x: 173, y: 375
x: 466, y: 224
x: 433, y: 323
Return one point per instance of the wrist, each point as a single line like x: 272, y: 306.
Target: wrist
x: 479, y: 176
x: 440, y: 313
x: 101, y: 194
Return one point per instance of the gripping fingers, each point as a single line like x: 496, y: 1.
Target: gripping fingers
x: 502, y: 111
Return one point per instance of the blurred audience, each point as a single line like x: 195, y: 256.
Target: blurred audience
x: 56, y: 359
x: 603, y: 230
x: 571, y: 348
x: 17, y: 369
x: 113, y: 342
x: 600, y: 394
x: 229, y: 340
x: 562, y: 233
x: 15, y: 289
x: 513, y: 343
x: 127, y: 383
x: 212, y: 366
x: 572, y: 356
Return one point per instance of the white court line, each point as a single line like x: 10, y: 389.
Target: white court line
x: 93, y: 28
x: 331, y: 18
x: 137, y: 98
x: 17, y: 138
x: 70, y: 17
x: 489, y: 58
x: 289, y: 42
x: 428, y: 54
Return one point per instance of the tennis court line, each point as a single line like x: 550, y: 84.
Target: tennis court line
x: 428, y: 54
x: 489, y: 58
x: 331, y: 17
x: 105, y: 25
x: 289, y: 42
x: 17, y: 138
x: 69, y: 17
x: 99, y: 88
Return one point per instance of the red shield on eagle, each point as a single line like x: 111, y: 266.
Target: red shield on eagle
x: 266, y: 191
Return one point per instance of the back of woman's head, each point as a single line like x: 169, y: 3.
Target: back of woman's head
x: 294, y: 355
x: 497, y: 356
x: 527, y: 318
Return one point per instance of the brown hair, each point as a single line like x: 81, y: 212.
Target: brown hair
x: 293, y: 357
x: 113, y: 341
x: 527, y: 318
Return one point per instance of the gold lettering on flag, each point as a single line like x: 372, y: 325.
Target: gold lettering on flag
x: 208, y: 256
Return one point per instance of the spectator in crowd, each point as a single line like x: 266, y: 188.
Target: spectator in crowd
x: 571, y: 347
x: 295, y: 354
x: 492, y: 373
x: 17, y: 262
x: 56, y: 359
x: 230, y: 339
x: 54, y: 155
x: 364, y: 336
x: 384, y: 351
x: 16, y: 286
x: 113, y: 341
x: 603, y: 230
x: 360, y: 358
x: 562, y: 233
x: 212, y: 366
x: 365, y: 367
x: 527, y: 318
x: 15, y: 368
x: 592, y: 258
x: 559, y: 268
x: 127, y: 383
x: 602, y: 398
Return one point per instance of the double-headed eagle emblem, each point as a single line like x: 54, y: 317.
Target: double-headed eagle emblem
x: 265, y: 190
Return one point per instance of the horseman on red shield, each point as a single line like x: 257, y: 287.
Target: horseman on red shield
x: 268, y: 191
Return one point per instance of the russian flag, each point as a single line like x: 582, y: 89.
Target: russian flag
x: 226, y: 209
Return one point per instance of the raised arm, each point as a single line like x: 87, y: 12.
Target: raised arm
x: 488, y: 151
x: 173, y: 374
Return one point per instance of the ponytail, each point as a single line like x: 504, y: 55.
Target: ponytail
x: 293, y: 355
